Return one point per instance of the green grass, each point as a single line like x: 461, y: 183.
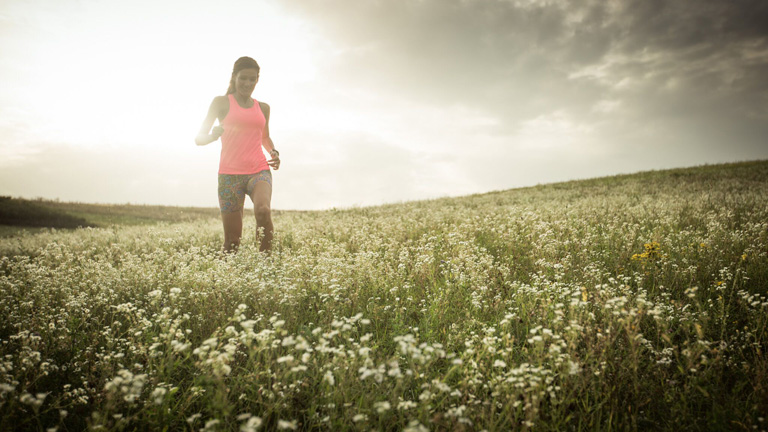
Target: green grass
x: 16, y: 212
x: 19, y: 215
x: 12, y: 231
x: 619, y: 303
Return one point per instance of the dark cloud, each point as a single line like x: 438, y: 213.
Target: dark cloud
x: 678, y: 25
x: 516, y: 60
x: 422, y: 98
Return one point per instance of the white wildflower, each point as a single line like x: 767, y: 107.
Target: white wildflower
x: 248, y: 324
x: 33, y: 401
x: 328, y: 377
x: 251, y: 425
x: 158, y: 395
x: 180, y: 347
x: 284, y: 424
x: 381, y: 407
x: 415, y: 426
x: 211, y: 424
x: 278, y: 323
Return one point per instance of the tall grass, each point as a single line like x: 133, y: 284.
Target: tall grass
x: 18, y: 215
x: 632, y: 302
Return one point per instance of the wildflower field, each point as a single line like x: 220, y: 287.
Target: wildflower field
x: 622, y: 303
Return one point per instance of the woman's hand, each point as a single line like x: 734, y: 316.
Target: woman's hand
x: 205, y: 139
x: 218, y: 109
x: 275, y: 161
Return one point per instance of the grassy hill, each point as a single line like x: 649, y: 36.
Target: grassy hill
x: 620, y: 303
x: 18, y: 212
x: 18, y: 215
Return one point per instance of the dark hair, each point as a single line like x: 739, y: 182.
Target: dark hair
x: 240, y: 64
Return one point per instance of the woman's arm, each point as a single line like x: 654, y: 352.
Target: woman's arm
x: 206, y: 136
x: 266, y: 140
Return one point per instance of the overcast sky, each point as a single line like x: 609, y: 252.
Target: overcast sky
x: 376, y: 101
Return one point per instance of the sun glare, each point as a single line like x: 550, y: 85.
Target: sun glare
x: 105, y: 82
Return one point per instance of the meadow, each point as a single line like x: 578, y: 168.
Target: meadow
x: 19, y: 216
x: 636, y: 302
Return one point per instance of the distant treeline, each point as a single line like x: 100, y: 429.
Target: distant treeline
x: 19, y: 212
x: 36, y: 213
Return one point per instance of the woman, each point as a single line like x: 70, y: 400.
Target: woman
x: 243, y: 168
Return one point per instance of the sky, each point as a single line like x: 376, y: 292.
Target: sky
x: 376, y: 101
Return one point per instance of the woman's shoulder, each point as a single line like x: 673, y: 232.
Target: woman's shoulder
x: 221, y: 100
x: 219, y: 107
x: 264, y: 107
x: 221, y: 104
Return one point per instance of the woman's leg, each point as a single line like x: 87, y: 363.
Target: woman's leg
x: 233, y: 230
x: 261, y: 195
x: 231, y: 200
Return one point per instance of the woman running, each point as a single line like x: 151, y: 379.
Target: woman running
x: 243, y: 168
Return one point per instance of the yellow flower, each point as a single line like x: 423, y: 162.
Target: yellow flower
x: 651, y: 252
x: 652, y: 246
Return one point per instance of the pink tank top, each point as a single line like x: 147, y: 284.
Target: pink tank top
x: 241, y: 141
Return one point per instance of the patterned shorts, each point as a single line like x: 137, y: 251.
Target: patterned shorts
x: 234, y: 187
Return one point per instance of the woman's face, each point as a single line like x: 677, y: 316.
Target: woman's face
x: 246, y: 80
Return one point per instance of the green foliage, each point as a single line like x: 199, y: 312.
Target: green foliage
x: 18, y: 214
x: 630, y: 302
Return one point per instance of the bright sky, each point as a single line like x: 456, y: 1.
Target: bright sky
x: 372, y: 101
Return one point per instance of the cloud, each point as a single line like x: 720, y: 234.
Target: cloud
x: 519, y: 60
x: 344, y: 171
x: 378, y: 101
x: 109, y: 175
x: 356, y: 169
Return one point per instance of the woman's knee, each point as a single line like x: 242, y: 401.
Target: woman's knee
x: 262, y: 211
